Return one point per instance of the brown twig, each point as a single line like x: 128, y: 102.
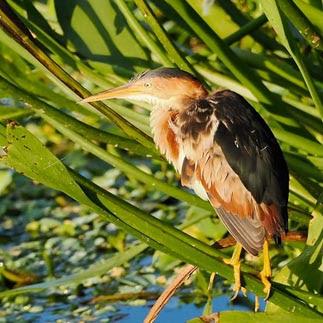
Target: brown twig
x: 170, y: 290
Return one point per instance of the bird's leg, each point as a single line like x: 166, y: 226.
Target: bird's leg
x: 265, y: 274
x: 235, y: 263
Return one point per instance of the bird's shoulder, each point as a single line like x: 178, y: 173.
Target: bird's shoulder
x: 251, y: 148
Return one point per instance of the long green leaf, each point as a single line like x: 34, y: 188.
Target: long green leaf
x: 174, y: 54
x: 142, y: 33
x: 313, y: 14
x: 92, y: 29
x: 246, y: 317
x: 280, y: 24
x: 8, y: 113
x: 303, y: 25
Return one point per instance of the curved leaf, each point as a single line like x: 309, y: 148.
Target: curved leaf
x: 99, y: 32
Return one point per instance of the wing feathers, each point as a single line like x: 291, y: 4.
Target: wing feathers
x: 248, y: 221
x: 247, y: 231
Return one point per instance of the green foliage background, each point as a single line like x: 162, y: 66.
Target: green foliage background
x: 55, y: 52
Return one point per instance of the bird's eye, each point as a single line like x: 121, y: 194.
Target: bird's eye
x: 147, y: 84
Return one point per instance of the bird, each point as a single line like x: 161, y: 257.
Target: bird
x: 224, y: 151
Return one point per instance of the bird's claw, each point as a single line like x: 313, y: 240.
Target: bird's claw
x: 235, y: 295
x: 237, y: 281
x: 267, y: 285
x: 244, y: 291
x: 237, y: 288
x: 265, y: 274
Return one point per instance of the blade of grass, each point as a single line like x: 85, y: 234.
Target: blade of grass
x: 9, y: 113
x: 274, y: 65
x: 247, y: 317
x: 66, y: 57
x: 313, y: 14
x: 30, y: 82
x: 92, y: 133
x: 40, y: 88
x: 246, y: 29
x: 176, y: 57
x: 142, y: 34
x: 298, y: 189
x: 14, y: 27
x: 303, y: 25
x: 301, y: 166
x: 280, y: 24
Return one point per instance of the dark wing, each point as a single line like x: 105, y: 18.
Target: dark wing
x: 251, y: 150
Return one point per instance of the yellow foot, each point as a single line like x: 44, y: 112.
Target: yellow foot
x: 265, y: 274
x: 267, y: 285
x: 235, y: 263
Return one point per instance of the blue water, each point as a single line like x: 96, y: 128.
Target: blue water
x: 175, y: 312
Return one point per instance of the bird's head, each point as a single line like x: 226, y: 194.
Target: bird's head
x: 161, y: 87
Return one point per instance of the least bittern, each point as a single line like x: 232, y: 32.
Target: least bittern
x: 223, y: 150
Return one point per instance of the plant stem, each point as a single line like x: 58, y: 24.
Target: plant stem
x: 14, y: 27
x: 238, y: 17
x: 142, y: 33
x: 174, y: 54
x: 303, y: 25
x: 246, y: 29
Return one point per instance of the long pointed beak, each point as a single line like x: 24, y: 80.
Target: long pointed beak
x: 120, y: 92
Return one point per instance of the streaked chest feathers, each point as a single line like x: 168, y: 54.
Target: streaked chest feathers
x: 186, y: 139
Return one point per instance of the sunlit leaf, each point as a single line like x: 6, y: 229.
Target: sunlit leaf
x: 40, y: 165
x: 233, y: 317
x: 281, y: 25
x: 99, y: 32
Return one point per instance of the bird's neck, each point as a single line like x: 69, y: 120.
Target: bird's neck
x: 161, y: 123
x: 180, y: 102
